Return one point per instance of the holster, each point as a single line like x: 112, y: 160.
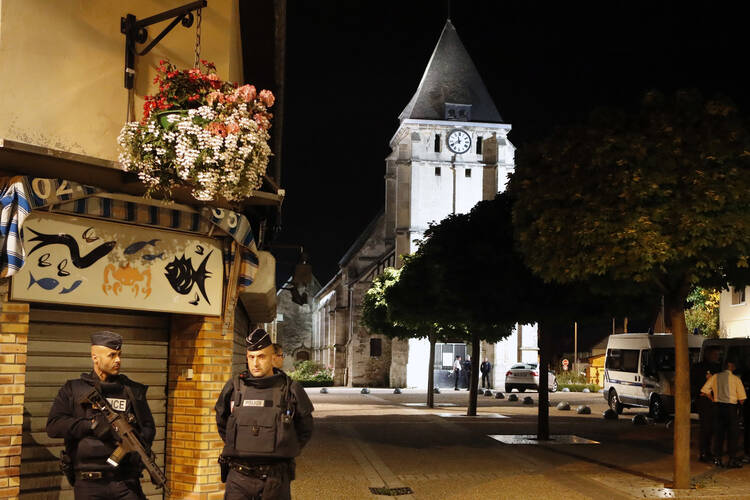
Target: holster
x: 224, y: 466
x: 66, y: 467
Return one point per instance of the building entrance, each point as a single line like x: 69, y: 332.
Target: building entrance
x: 445, y: 355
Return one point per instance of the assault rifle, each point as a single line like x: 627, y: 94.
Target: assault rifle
x: 127, y: 439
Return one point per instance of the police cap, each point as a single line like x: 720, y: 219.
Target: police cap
x: 257, y: 340
x: 107, y: 339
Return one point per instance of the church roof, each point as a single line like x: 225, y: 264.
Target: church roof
x: 451, y: 77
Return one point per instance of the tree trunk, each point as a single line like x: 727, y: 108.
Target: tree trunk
x: 543, y: 410
x: 474, y: 378
x: 431, y: 375
x: 676, y: 312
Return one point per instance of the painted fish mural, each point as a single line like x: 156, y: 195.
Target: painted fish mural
x: 45, y: 283
x: 81, y: 262
x: 182, y: 276
x: 44, y: 260
x: 90, y: 238
x: 149, y: 257
x: 61, y: 268
x: 75, y: 285
x: 138, y: 245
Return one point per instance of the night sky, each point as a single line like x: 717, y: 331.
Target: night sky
x: 353, y: 66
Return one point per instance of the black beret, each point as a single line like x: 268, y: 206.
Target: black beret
x: 257, y: 340
x: 107, y: 339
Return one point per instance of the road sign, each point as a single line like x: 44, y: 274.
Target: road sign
x: 565, y: 364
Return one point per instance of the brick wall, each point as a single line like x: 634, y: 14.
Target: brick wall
x: 14, y: 329
x: 193, y: 443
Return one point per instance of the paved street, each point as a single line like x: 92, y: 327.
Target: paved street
x: 385, y: 440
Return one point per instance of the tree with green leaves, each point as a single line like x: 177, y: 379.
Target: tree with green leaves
x: 702, y: 314
x: 654, y: 200
x: 406, y: 310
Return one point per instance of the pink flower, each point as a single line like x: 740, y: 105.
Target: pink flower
x: 217, y: 128
x: 230, y: 98
x: 246, y: 93
x: 267, y: 98
x: 213, y: 97
x: 232, y: 128
x: 213, y: 77
x: 262, y: 121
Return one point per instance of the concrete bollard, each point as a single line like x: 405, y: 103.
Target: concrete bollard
x: 610, y: 414
x: 323, y: 390
x: 396, y: 391
x: 565, y: 389
x: 512, y: 397
x: 563, y: 406
x: 528, y: 401
x: 639, y: 420
x: 436, y: 390
x: 488, y: 392
x: 499, y: 395
x: 586, y: 389
x: 365, y: 390
x: 583, y: 410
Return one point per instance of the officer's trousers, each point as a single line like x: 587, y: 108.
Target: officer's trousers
x: 726, y: 424
x: 486, y: 380
x: 242, y: 487
x: 704, y: 407
x: 107, y: 489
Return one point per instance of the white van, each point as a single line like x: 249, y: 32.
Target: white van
x: 639, y: 371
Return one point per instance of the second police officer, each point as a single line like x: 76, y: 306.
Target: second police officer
x: 265, y: 419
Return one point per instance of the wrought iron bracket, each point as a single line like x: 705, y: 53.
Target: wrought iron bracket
x: 135, y: 32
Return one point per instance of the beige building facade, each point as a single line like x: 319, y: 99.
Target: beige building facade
x: 62, y: 105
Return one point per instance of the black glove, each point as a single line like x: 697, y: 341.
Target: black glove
x: 101, y: 428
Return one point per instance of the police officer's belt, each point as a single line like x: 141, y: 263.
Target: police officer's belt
x: 260, y: 471
x: 112, y: 475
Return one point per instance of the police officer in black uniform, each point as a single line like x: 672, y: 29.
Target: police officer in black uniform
x: 89, y: 439
x: 264, y: 419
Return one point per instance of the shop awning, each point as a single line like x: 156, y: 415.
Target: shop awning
x: 21, y: 194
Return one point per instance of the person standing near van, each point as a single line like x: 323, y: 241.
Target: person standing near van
x: 699, y: 374
x: 726, y: 391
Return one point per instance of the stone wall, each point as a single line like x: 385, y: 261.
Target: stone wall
x: 294, y: 331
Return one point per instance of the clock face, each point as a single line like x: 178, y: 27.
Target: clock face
x: 459, y: 141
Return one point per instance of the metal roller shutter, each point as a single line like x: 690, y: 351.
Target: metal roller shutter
x: 58, y: 350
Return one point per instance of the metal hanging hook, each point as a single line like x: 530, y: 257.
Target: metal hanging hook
x: 198, y: 39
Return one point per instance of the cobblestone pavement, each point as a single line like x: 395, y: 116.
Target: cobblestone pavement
x: 383, y: 440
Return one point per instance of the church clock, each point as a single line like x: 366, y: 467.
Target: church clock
x: 459, y: 141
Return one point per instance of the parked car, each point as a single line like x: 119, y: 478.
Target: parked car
x: 524, y: 376
x: 639, y: 371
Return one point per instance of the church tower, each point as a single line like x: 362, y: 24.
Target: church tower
x: 450, y: 149
x: 449, y: 152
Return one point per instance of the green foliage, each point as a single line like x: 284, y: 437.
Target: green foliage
x: 568, y: 377
x: 656, y: 199
x: 703, y: 312
x: 311, y: 374
x: 579, y: 387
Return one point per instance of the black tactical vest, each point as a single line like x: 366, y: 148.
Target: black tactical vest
x: 261, y: 422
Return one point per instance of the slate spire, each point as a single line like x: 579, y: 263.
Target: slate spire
x: 451, y: 77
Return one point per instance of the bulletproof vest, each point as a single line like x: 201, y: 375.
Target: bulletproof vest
x: 261, y: 423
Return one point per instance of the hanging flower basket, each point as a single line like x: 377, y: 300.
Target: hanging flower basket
x: 202, y: 132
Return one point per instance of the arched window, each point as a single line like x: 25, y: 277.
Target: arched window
x: 302, y: 356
